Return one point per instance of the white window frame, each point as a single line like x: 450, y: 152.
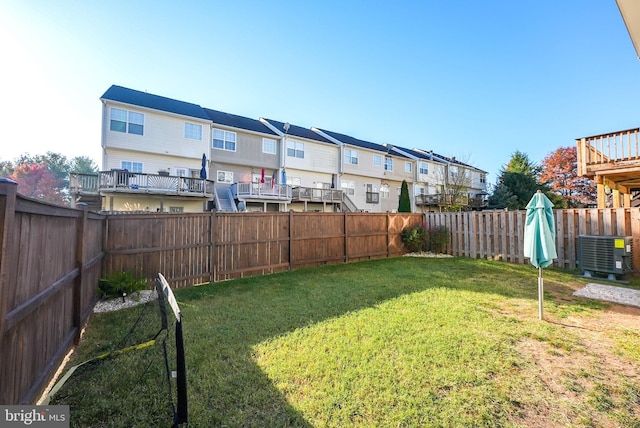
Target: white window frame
x: 348, y: 187
x: 295, y: 149
x: 227, y: 176
x: 377, y: 160
x: 384, y: 191
x: 424, y: 168
x: 229, y: 140
x: 351, y: 156
x: 132, y: 166
x: 388, y: 163
x: 192, y: 131
x: 131, y: 122
x: 269, y: 146
x: 180, y: 171
x: 407, y: 167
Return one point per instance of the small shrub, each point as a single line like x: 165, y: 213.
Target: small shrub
x: 415, y: 238
x: 438, y: 239
x: 119, y: 283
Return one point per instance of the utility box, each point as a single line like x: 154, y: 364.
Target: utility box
x: 612, y: 255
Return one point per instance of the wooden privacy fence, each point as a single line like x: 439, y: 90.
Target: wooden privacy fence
x: 52, y: 258
x: 192, y: 249
x: 50, y: 263
x: 499, y: 234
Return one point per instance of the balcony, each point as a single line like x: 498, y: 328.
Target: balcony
x: 120, y: 181
x: 372, y: 197
x: 261, y: 191
x: 313, y: 194
x: 612, y: 161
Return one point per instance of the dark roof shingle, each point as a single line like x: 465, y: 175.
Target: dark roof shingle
x: 236, y: 121
x: 156, y: 102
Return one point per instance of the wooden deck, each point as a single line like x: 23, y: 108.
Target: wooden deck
x: 612, y: 161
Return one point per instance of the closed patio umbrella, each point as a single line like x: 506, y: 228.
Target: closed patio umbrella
x: 203, y: 170
x: 540, y: 238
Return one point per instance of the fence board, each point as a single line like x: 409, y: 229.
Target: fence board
x: 505, y: 231
x: 49, y: 266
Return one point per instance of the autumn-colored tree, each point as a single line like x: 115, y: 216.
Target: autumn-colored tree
x: 37, y: 181
x: 560, y: 174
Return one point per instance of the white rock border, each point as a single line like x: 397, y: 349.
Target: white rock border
x: 610, y: 293
x: 135, y: 299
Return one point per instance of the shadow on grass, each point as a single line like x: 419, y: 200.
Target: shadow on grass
x: 224, y: 321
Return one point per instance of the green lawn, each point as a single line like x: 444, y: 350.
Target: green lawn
x: 398, y: 342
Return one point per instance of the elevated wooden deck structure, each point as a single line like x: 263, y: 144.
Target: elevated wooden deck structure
x: 612, y: 161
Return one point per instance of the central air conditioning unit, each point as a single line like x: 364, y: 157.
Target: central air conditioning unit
x: 612, y: 255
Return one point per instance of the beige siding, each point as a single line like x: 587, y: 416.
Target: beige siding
x: 151, y: 163
x: 248, y: 150
x: 146, y: 203
x: 163, y: 134
x: 318, y: 157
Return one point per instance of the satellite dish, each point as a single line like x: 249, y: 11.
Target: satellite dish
x: 286, y: 127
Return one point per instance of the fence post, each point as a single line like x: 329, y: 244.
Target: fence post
x: 346, y: 238
x: 81, y: 228
x: 8, y: 190
x: 290, y: 237
x: 388, y: 240
x: 212, y: 246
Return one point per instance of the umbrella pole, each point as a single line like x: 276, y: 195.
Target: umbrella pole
x: 540, y: 293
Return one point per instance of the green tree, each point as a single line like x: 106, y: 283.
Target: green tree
x: 517, y: 183
x: 83, y: 165
x: 404, y: 204
x: 6, y: 168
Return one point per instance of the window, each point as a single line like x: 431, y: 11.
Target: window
x: 407, y: 167
x: 180, y: 172
x: 225, y: 176
x: 126, y: 121
x: 295, y: 149
x: 377, y: 160
x: 351, y: 156
x: 294, y: 181
x: 132, y: 166
x: 348, y: 187
x: 388, y: 164
x: 224, y: 140
x: 453, y: 171
x: 384, y: 191
x: 269, y: 146
x: 192, y: 131
x: 483, y: 178
x: 424, y: 168
x: 372, y: 195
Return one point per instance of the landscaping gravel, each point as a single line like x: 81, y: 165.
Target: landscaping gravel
x: 134, y: 299
x: 610, y: 293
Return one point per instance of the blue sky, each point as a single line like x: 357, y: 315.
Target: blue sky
x: 474, y: 80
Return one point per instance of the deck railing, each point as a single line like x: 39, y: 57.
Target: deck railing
x: 130, y: 182
x: 261, y: 191
x: 314, y: 194
x: 615, y: 148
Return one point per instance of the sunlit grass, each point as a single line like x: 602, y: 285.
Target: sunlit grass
x: 396, y: 342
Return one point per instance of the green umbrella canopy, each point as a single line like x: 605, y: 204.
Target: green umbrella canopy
x: 540, y: 232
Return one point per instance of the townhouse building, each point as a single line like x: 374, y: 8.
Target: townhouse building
x: 165, y: 155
